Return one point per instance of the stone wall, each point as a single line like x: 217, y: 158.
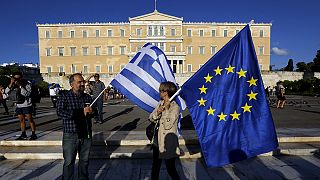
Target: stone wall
x: 270, y: 78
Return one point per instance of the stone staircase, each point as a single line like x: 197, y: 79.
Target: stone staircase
x: 134, y: 144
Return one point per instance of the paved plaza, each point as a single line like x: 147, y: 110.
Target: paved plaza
x: 120, y: 148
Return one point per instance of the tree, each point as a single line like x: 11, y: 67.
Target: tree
x: 316, y: 63
x: 313, y: 66
x: 289, y: 67
x: 303, y: 67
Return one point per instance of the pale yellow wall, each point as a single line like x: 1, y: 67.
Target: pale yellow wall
x: 130, y: 42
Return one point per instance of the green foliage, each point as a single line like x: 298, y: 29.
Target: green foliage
x: 43, y: 86
x: 311, y: 66
x: 303, y: 86
x: 4, y: 81
x: 289, y: 67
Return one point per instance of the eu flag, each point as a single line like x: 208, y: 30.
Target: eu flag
x: 228, y: 105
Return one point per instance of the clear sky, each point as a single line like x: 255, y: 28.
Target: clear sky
x: 294, y: 33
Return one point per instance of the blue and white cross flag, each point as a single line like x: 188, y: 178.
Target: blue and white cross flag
x: 140, y: 79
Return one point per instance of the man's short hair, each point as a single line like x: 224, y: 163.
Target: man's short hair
x: 96, y: 75
x: 71, y: 79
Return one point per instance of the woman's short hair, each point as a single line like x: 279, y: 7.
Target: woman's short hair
x: 169, y: 87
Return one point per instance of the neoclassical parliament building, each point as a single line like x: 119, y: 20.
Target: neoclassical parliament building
x: 108, y: 47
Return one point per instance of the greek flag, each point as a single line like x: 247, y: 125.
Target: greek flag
x: 140, y: 79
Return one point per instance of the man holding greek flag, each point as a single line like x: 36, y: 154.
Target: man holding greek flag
x: 140, y: 79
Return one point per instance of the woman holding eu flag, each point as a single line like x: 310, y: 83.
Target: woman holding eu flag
x: 165, y: 140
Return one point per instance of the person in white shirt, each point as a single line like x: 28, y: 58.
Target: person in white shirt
x: 53, y: 91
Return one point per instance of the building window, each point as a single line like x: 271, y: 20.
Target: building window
x: 122, y: 32
x: 85, y: 69
x: 200, y: 65
x: 73, y: 68
x: 237, y: 31
x: 162, y: 46
x: 138, y: 48
x: 61, y: 69
x: 260, y: 66
x: 73, y: 51
x: 60, y: 51
x: 225, y: 33
x: 110, y: 68
x: 47, y: 34
x: 189, y: 68
x: 98, y: 69
x: 85, y: 34
x: 97, y: 33
x: 261, y: 33
x: 213, y: 49
x: 59, y: 34
x: 48, y: 51
x: 161, y: 31
x: 173, y: 32
x: 189, y: 33
x: 85, y: 51
x: 261, y: 50
x: 150, y: 31
x: 109, y: 32
x: 201, y: 49
x: 173, y: 48
x: 72, y: 34
x: 97, y: 51
x: 155, y: 30
x: 201, y: 33
x: 49, y: 69
x: 138, y: 32
x: 213, y: 33
x: 110, y: 50
x: 122, y: 50
x: 189, y: 50
x: 122, y: 66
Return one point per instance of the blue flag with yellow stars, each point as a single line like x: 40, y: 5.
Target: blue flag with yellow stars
x: 228, y: 106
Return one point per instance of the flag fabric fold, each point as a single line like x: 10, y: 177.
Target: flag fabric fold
x: 228, y: 106
x: 140, y: 79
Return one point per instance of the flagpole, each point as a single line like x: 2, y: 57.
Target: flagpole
x: 175, y: 94
x: 98, y: 96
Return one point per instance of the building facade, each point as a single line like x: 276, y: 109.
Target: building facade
x: 107, y: 47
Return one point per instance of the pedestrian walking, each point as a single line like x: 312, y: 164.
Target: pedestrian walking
x: 74, y: 110
x: 281, y: 97
x: 53, y: 91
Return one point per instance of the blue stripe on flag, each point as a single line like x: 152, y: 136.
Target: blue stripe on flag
x: 142, y: 84
x: 131, y: 96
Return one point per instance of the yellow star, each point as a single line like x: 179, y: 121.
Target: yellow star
x: 242, y: 73
x: 201, y: 102
x: 203, y: 89
x: 246, y: 108
x: 252, y: 82
x: 218, y: 70
x: 252, y: 95
x: 229, y: 69
x: 210, y: 111
x: 235, y: 115
x: 222, y: 117
x: 208, y: 78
